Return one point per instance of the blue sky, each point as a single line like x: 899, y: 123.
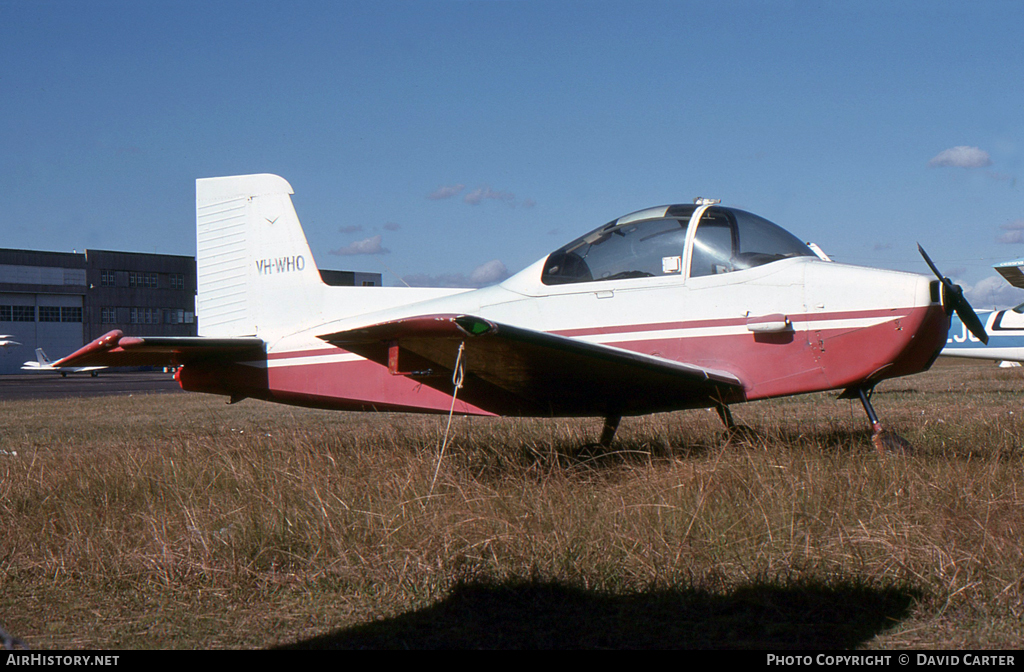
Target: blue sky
x: 453, y: 142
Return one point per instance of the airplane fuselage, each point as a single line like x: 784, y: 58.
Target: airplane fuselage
x: 1005, y: 330
x: 823, y: 337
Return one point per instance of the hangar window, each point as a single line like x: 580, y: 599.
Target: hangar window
x: 174, y: 316
x: 71, y: 314
x: 49, y: 313
x: 23, y: 313
x: 144, y: 316
x: 142, y: 280
x: 17, y: 313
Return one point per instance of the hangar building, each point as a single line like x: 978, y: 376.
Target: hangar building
x: 59, y: 301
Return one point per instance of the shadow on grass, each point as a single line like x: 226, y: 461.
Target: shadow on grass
x: 827, y: 440
x: 541, y: 615
x: 499, y: 461
x: 498, y: 464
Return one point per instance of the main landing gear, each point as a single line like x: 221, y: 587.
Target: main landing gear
x: 884, y: 440
x: 733, y: 431
x: 742, y: 432
x: 611, y: 425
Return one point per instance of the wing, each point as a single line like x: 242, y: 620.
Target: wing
x: 1012, y: 271
x: 116, y: 349
x: 514, y: 371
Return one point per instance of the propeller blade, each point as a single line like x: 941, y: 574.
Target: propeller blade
x: 967, y: 315
x: 931, y: 265
x: 953, y: 296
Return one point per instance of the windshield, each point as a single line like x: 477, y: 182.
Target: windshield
x: 730, y: 240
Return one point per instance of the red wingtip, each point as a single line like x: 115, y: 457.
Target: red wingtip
x: 107, y: 341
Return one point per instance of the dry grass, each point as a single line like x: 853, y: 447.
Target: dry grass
x: 179, y: 521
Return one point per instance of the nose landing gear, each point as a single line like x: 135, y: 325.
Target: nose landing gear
x: 885, y: 441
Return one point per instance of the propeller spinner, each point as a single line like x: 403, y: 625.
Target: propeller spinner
x: 953, y: 299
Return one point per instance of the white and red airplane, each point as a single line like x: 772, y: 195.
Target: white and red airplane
x: 43, y: 363
x: 673, y: 307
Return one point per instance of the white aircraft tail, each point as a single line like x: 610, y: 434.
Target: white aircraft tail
x: 255, y: 269
x: 42, y: 358
x: 257, y: 276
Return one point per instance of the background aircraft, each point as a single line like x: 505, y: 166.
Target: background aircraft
x: 43, y: 363
x: 7, y: 341
x: 674, y: 307
x: 1005, y: 328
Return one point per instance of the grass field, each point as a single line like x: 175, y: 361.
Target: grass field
x: 177, y: 521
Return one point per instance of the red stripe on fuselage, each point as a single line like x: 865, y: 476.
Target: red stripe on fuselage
x: 730, y: 322
x: 769, y: 365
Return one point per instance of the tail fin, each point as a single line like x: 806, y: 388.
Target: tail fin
x: 42, y: 358
x: 256, y: 273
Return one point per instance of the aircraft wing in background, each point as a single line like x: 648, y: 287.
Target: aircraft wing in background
x: 1012, y: 271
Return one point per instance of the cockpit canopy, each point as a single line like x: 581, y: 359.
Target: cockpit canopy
x: 654, y: 243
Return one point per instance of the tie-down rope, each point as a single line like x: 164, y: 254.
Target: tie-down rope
x: 457, y: 377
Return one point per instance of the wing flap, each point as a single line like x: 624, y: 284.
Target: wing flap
x: 116, y: 349
x: 514, y: 371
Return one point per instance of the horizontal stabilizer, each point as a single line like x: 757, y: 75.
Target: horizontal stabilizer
x: 116, y: 349
x: 515, y: 371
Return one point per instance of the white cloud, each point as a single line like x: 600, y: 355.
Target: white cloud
x: 442, y: 280
x: 445, y: 192
x: 1014, y: 232
x: 350, y: 229
x: 367, y: 246
x: 488, y: 274
x: 477, y: 195
x: 961, y: 157
x: 955, y: 271
x: 993, y: 292
x: 484, y: 274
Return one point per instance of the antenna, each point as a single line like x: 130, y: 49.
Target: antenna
x: 400, y: 278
